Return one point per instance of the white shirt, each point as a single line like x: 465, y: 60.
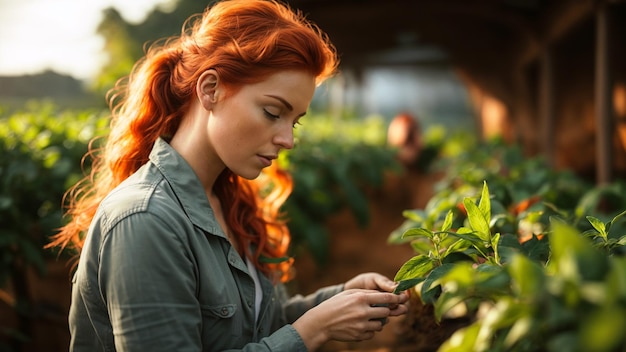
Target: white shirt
x: 258, y: 292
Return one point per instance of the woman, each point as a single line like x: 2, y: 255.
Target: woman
x: 184, y: 248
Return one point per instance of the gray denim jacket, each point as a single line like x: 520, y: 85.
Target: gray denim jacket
x: 157, y: 273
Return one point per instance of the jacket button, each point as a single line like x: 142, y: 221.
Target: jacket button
x: 224, y: 311
x: 249, y: 303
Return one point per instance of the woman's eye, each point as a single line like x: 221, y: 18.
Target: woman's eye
x: 296, y: 124
x: 270, y: 115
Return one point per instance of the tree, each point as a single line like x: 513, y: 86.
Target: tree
x: 125, y: 42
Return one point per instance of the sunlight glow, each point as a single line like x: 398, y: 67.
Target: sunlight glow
x: 60, y: 35
x: 619, y: 105
x: 494, y: 117
x: 619, y: 101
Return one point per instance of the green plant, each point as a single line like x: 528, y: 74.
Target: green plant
x: 573, y: 298
x: 525, y: 193
x: 40, y: 153
x: 493, y: 256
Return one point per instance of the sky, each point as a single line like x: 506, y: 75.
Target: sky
x: 59, y: 35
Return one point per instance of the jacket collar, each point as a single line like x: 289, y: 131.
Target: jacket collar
x: 186, y: 186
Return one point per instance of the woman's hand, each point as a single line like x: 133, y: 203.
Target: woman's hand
x: 371, y: 281
x: 351, y: 315
x: 375, y: 281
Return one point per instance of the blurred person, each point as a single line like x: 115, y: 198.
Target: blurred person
x: 404, y: 133
x: 182, y: 245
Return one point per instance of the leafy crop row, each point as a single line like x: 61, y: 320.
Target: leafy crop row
x: 536, y: 257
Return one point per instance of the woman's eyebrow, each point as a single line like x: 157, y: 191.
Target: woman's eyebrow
x: 284, y: 102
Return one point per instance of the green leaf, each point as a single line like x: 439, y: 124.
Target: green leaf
x: 415, y: 232
x: 447, y: 223
x: 417, y: 216
x: 463, y: 340
x: 477, y: 220
x: 500, y: 317
x: 264, y: 259
x: 447, y: 300
x: 528, y: 279
x: 616, y: 280
x: 598, y: 225
x: 495, y: 242
x: 407, y: 284
x: 491, y: 279
x: 431, y: 289
x: 485, y: 203
x: 461, y: 275
x: 458, y: 246
x: 422, y: 246
x: 614, y: 220
x: 536, y: 249
x: 417, y: 267
x: 603, y: 330
x: 519, y: 329
x: 471, y: 237
x: 574, y: 255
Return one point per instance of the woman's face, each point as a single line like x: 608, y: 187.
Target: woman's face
x: 248, y: 129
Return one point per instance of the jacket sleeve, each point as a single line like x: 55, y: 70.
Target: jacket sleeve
x: 285, y: 339
x: 146, y: 278
x: 297, y: 305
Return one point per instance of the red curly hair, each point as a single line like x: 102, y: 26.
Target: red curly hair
x: 245, y: 41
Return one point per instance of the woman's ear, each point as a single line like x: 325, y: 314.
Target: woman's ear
x: 207, y: 87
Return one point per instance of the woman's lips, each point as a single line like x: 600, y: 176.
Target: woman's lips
x: 266, y: 160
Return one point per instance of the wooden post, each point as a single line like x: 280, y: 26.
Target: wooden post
x: 604, y: 137
x: 546, y: 105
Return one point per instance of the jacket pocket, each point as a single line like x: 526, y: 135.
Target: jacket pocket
x: 221, y: 320
x: 222, y: 311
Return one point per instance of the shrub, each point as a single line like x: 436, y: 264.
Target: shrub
x: 40, y: 154
x: 538, y: 263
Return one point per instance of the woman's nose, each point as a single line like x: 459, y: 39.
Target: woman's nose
x: 284, y: 138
